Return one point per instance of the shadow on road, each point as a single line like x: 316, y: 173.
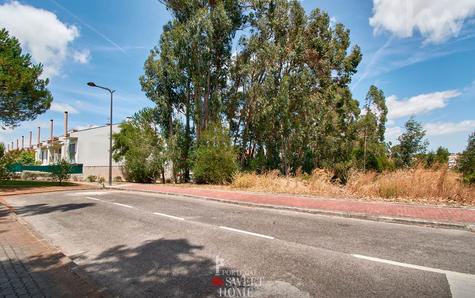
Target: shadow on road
x: 37, y: 209
x: 157, y: 268
x: 40, y: 276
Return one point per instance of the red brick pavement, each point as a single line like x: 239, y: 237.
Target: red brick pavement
x: 378, y: 209
x: 29, y: 267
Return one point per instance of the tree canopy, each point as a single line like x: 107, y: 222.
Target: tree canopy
x: 282, y: 92
x: 23, y: 94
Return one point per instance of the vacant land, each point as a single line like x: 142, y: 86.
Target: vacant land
x: 419, y: 185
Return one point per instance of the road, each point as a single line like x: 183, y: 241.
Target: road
x: 138, y: 244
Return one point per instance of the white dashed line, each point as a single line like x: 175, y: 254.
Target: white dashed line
x: 123, y: 205
x: 169, y: 216
x: 91, y: 198
x: 246, y: 232
x: 461, y: 284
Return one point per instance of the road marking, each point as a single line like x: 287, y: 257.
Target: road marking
x: 91, y: 198
x: 169, y: 216
x: 246, y: 232
x: 87, y: 193
x: 461, y: 284
x: 123, y: 205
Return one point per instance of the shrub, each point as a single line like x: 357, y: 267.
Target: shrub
x: 60, y: 171
x: 141, y: 149
x: 91, y: 178
x: 117, y: 179
x: 214, y: 160
x: 101, y: 180
x: 26, y: 157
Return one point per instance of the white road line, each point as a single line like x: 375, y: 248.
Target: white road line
x: 461, y: 284
x: 91, y: 198
x: 169, y: 216
x: 246, y: 232
x: 123, y: 205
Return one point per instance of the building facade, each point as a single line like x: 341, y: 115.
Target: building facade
x: 89, y: 147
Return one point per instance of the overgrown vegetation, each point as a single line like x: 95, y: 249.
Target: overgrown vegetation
x: 421, y: 185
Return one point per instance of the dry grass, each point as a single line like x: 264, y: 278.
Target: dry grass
x: 419, y: 185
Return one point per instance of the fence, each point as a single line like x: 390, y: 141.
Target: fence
x: 15, y: 168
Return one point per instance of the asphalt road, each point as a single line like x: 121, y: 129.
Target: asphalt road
x: 168, y: 246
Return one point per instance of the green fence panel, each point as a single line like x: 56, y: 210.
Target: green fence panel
x: 75, y: 168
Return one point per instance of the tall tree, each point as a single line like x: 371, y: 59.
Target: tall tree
x: 23, y: 94
x: 289, y: 97
x: 411, y: 143
x: 373, y: 125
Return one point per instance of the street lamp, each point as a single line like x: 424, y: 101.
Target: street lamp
x: 92, y: 84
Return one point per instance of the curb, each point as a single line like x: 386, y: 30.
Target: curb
x: 63, y: 259
x: 355, y: 215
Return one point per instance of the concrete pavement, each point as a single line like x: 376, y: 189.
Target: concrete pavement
x: 169, y: 246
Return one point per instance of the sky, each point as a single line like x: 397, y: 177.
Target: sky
x: 421, y: 53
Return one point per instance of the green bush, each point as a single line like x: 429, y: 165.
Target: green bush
x: 26, y: 158
x: 60, y: 171
x: 141, y: 148
x: 214, y: 160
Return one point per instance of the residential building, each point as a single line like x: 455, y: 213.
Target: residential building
x: 89, y: 147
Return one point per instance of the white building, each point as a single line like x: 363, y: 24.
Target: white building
x: 89, y: 147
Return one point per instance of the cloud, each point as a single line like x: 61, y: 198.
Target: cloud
x: 419, y: 104
x: 436, y: 20
x: 40, y: 32
x: 444, y: 128
x: 82, y: 57
x: 62, y: 107
x: 392, y: 133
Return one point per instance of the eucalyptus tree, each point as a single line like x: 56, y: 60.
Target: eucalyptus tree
x: 373, y: 126
x: 289, y: 94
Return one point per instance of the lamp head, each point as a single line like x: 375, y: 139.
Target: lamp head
x: 91, y: 84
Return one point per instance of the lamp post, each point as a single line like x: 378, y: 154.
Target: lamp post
x: 92, y: 84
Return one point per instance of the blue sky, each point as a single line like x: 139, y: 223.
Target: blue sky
x: 420, y: 52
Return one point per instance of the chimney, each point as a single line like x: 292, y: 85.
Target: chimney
x: 51, y: 131
x: 12, y: 146
x: 22, y: 142
x: 38, y: 137
x: 31, y: 139
x: 65, y: 123
x: 17, y: 144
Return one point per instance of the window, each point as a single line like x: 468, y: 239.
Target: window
x: 72, y: 152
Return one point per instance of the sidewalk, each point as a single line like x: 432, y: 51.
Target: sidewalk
x: 31, y: 268
x: 463, y: 218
